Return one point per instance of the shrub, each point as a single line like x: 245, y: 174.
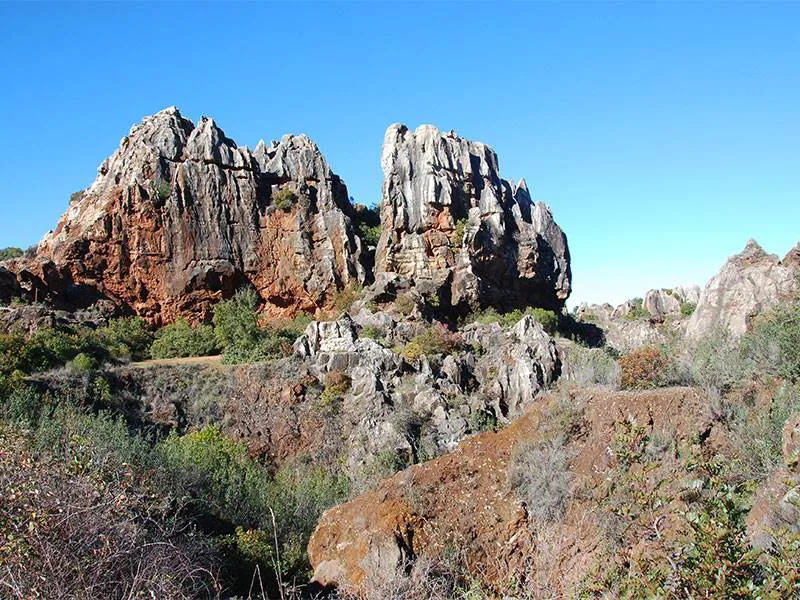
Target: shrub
x: 127, y: 336
x: 458, y: 233
x: 82, y: 363
x: 24, y: 405
x: 715, y: 363
x: 344, y: 299
x: 336, y: 385
x: 368, y: 224
x: 47, y: 348
x: 405, y: 303
x: 587, y: 366
x: 236, y: 328
x: 72, y: 530
x: 163, y: 191
x: 773, y: 345
x: 540, y: 476
x: 687, y: 308
x: 9, y: 253
x: 757, y: 433
x: 284, y: 198
x: 482, y: 420
x: 637, y: 311
x: 546, y: 318
x: 644, y: 367
x: 181, y: 339
x: 437, y: 339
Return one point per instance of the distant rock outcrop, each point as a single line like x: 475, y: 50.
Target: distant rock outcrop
x: 180, y: 216
x: 451, y: 222
x: 748, y: 284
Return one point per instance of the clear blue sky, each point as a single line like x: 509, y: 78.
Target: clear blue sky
x: 662, y: 135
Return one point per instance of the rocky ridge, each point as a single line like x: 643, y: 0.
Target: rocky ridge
x: 450, y: 221
x: 180, y: 217
x: 748, y: 284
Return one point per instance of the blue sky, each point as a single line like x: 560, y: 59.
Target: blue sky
x: 662, y: 135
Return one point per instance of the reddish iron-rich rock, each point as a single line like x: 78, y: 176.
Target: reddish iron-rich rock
x: 463, y: 500
x: 179, y: 217
x: 451, y: 222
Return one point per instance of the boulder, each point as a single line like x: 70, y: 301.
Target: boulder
x: 449, y: 221
x: 748, y: 284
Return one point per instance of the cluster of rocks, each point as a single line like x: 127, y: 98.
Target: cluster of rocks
x: 180, y: 217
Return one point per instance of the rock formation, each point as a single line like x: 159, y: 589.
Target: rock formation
x: 449, y: 220
x: 748, y: 284
x: 180, y: 217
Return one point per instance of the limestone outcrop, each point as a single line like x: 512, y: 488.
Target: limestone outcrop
x: 448, y: 218
x: 748, y: 284
x: 180, y: 217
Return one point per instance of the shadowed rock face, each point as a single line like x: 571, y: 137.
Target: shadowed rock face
x: 748, y: 284
x: 448, y: 218
x: 180, y: 217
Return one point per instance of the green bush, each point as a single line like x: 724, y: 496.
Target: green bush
x: 336, y: 385
x: 242, y: 341
x: 546, y: 318
x: 437, y: 339
x: 48, y: 348
x: 368, y: 224
x: 637, y: 311
x: 757, y: 432
x: 236, y: 488
x: 687, y: 308
x: 180, y: 340
x: 458, y: 233
x: 773, y: 345
x: 284, y: 198
x: 82, y: 363
x: 9, y: 253
x: 163, y: 191
x: 127, y: 336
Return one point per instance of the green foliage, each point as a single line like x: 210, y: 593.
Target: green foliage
x: 637, y: 311
x: 336, y: 385
x: 163, y: 191
x: 437, y: 339
x: 284, y: 198
x: 773, y: 346
x: 482, y: 420
x: 458, y: 233
x: 344, y: 299
x: 47, y: 348
x: 82, y: 363
x: 234, y: 487
x: 405, y: 304
x: 587, y: 366
x: 757, y: 432
x: 687, y: 308
x: 237, y: 331
x: 181, y: 339
x: 546, y: 318
x: 368, y: 224
x: 9, y: 253
x: 23, y: 405
x: 127, y: 336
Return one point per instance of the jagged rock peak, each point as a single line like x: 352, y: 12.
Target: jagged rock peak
x: 180, y: 216
x: 448, y: 217
x: 749, y: 283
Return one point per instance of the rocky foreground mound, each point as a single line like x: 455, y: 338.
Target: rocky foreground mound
x: 449, y: 220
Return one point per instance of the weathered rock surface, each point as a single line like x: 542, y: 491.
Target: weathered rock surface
x: 666, y: 302
x: 448, y: 218
x: 465, y: 497
x: 748, y: 284
x: 180, y: 217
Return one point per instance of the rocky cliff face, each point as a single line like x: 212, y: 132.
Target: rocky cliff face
x: 749, y: 283
x: 450, y: 220
x: 180, y: 216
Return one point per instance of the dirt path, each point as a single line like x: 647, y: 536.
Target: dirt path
x: 191, y: 360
